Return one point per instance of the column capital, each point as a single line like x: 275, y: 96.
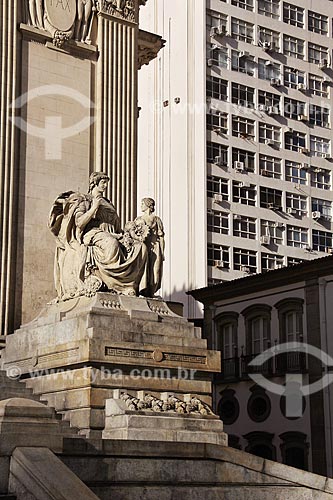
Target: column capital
x: 126, y: 10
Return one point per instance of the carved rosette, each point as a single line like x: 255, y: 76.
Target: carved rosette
x: 123, y: 9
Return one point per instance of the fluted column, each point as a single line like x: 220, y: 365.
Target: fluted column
x: 116, y: 106
x: 10, y: 82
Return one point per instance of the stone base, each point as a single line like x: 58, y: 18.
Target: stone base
x: 77, y: 352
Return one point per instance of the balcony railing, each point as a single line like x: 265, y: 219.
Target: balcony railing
x: 239, y: 367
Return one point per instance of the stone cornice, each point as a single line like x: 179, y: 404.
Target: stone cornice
x: 149, y: 45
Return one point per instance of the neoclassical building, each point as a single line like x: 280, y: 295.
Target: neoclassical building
x: 245, y: 317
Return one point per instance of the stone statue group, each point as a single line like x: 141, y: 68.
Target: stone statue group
x: 92, y: 251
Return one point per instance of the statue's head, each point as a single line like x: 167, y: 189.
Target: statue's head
x: 95, y: 178
x: 148, y: 203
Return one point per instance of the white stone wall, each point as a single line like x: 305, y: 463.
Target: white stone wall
x: 171, y: 165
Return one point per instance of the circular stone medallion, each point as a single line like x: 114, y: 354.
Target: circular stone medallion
x: 158, y: 356
x: 61, y: 13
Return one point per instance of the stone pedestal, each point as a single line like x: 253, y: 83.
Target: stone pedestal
x: 76, y: 353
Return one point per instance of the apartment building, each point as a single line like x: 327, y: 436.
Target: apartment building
x: 269, y: 163
x: 261, y: 197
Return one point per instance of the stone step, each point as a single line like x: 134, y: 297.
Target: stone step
x: 208, y: 492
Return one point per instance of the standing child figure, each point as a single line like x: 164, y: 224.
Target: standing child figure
x: 155, y: 246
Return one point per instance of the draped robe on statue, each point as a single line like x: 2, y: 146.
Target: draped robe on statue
x: 89, y: 257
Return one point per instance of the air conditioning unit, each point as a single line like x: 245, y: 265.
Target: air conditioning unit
x: 301, y: 86
x: 239, y: 165
x: 316, y: 215
x: 292, y: 211
x: 265, y: 173
x: 327, y: 156
x: 245, y: 184
x: 269, y: 63
x: 308, y: 248
x: 280, y: 225
x: 210, y: 62
x: 266, y: 45
x: 304, y: 151
x: 265, y: 240
x: 326, y: 217
x: 219, y: 160
x: 270, y: 142
x: 329, y: 250
x: 262, y: 107
x: 219, y: 264
x: 237, y: 217
x: 273, y: 206
x: 276, y: 81
x: 218, y: 198
x: 273, y: 110
x: 302, y: 118
x: 244, y: 54
x: 218, y: 30
x: 278, y: 266
x: 323, y: 64
x: 305, y: 166
x: 245, y: 269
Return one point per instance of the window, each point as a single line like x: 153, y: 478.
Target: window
x: 216, y: 19
x: 245, y: 260
x: 243, y: 4
x: 318, y: 23
x: 243, y: 195
x: 266, y: 35
x: 242, y: 63
x: 319, y: 116
x: 269, y: 99
x: 294, y: 141
x: 242, y: 127
x: 290, y: 313
x: 293, y: 77
x: 218, y: 222
x: 270, y: 261
x: 317, y: 53
x: 217, y: 153
x: 294, y: 15
x: 321, y: 240
x: 270, y: 166
x: 269, y: 8
x: 242, y: 95
x: 293, y: 109
x: 245, y: 227
x: 274, y: 230
x: 322, y: 206
x: 241, y: 30
x: 217, y: 56
x: 261, y: 444
x: 217, y: 185
x: 257, y: 324
x: 270, y: 198
x: 318, y: 86
x: 295, y: 173
x: 218, y: 256
x: 294, y: 448
x: 268, y: 70
x: 319, y: 146
x: 321, y: 178
x: 214, y: 281
x: 270, y: 135
x: 297, y: 237
x: 297, y: 204
x: 228, y: 408
x: 293, y: 47
x: 217, y: 121
x: 217, y: 88
x: 247, y: 158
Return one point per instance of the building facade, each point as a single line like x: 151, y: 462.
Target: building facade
x: 245, y: 317
x: 268, y: 168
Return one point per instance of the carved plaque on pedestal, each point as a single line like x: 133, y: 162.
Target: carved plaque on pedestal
x: 61, y: 13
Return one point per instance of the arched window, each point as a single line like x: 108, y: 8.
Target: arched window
x: 226, y: 326
x: 257, y: 324
x: 290, y: 319
x: 290, y: 313
x: 260, y: 444
x: 295, y: 449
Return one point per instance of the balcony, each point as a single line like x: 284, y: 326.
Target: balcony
x: 238, y: 367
